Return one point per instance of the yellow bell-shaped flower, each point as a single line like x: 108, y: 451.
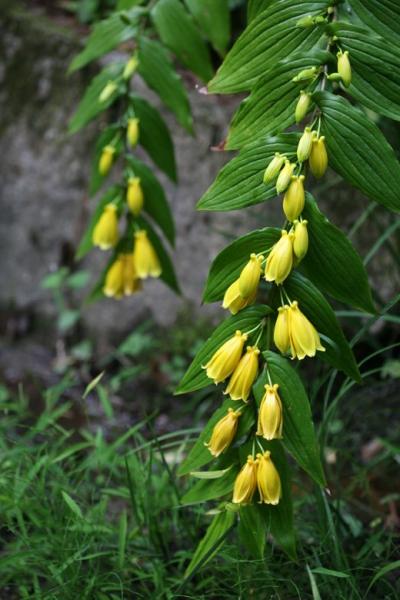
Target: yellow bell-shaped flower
x: 268, y: 480
x: 130, y: 67
x: 274, y: 167
x: 281, y: 330
x: 244, y: 375
x: 344, y: 67
x: 250, y: 276
x: 293, y: 201
x: 132, y: 132
x: 145, y: 259
x: 284, y: 177
x: 106, y: 160
x: 107, y: 91
x: 225, y: 360
x: 114, y: 281
x: 318, y: 160
x: 270, y: 418
x: 134, y: 195
x: 300, y: 241
x: 304, y: 145
x: 280, y: 259
x: 131, y: 282
x: 246, y: 482
x: 233, y: 300
x: 105, y: 233
x: 302, y: 106
x: 304, y: 338
x: 223, y: 433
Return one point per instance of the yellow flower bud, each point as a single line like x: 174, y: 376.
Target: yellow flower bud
x: 274, y: 167
x: 302, y: 106
x: 246, y: 482
x: 306, y: 74
x: 132, y: 132
x: 268, y: 480
x: 145, y: 259
x: 334, y: 77
x: 134, y: 195
x: 318, y: 160
x: 304, y: 146
x: 130, y: 67
x: 284, y: 177
x: 225, y: 360
x: 108, y: 91
x: 114, y: 281
x: 281, y: 330
x: 244, y: 375
x: 344, y: 67
x: 106, y: 160
x: 105, y: 233
x: 293, y: 202
x: 270, y: 420
x: 280, y: 259
x: 233, y: 301
x: 304, y: 22
x: 300, y: 242
x: 224, y: 432
x: 250, y: 276
x: 304, y: 338
x: 131, y: 283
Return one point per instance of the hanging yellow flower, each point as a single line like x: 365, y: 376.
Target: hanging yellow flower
x: 284, y: 177
x: 293, y: 201
x: 107, y: 91
x: 131, y: 282
x: 244, y: 375
x: 105, y: 233
x: 274, y: 167
x: 250, y: 276
x: 344, y: 67
x: 223, y: 432
x: 281, y: 330
x: 226, y: 358
x: 233, y: 300
x: 304, y: 338
x: 280, y: 259
x: 270, y: 418
x: 246, y: 482
x: 302, y: 106
x: 318, y: 160
x: 132, y: 132
x: 268, y: 480
x: 304, y: 145
x: 300, y: 241
x: 106, y: 160
x: 134, y: 195
x: 114, y: 281
x: 145, y: 259
x: 130, y: 67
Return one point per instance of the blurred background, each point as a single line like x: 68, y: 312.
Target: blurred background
x: 53, y: 343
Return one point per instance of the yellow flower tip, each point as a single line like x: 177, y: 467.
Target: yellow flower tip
x: 246, y: 482
x: 302, y: 106
x: 250, y: 277
x: 244, y: 375
x: 106, y: 159
x: 304, y: 145
x: 293, y: 201
x: 268, y: 480
x: 225, y: 360
x: 344, y: 67
x: 105, y: 233
x: 280, y: 260
x: 285, y: 176
x: 300, y: 241
x: 134, y: 195
x: 274, y: 167
x: 281, y: 330
x: 234, y: 301
x: 318, y: 160
x: 132, y: 132
x: 270, y: 418
x: 145, y: 259
x: 304, y: 338
x: 113, y: 284
x: 223, y: 432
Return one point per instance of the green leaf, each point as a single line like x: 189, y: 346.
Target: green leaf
x: 155, y: 136
x: 358, y: 151
x: 177, y: 30
x: 216, y: 533
x: 254, y: 7
x: 213, y: 19
x: 270, y: 108
x: 199, y: 455
x: 89, y: 107
x: 156, y: 69
x: 210, y: 474
x: 318, y: 310
x: 72, y: 505
x: 209, y: 489
x: 253, y: 525
x: 195, y: 377
x: 240, y: 182
x: 332, y: 263
x: 86, y: 242
x: 226, y: 267
x: 270, y: 37
x: 330, y: 573
x: 375, y: 65
x: 155, y: 201
x: 105, y: 36
x: 92, y: 384
x: 382, y: 17
x: 298, y: 430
